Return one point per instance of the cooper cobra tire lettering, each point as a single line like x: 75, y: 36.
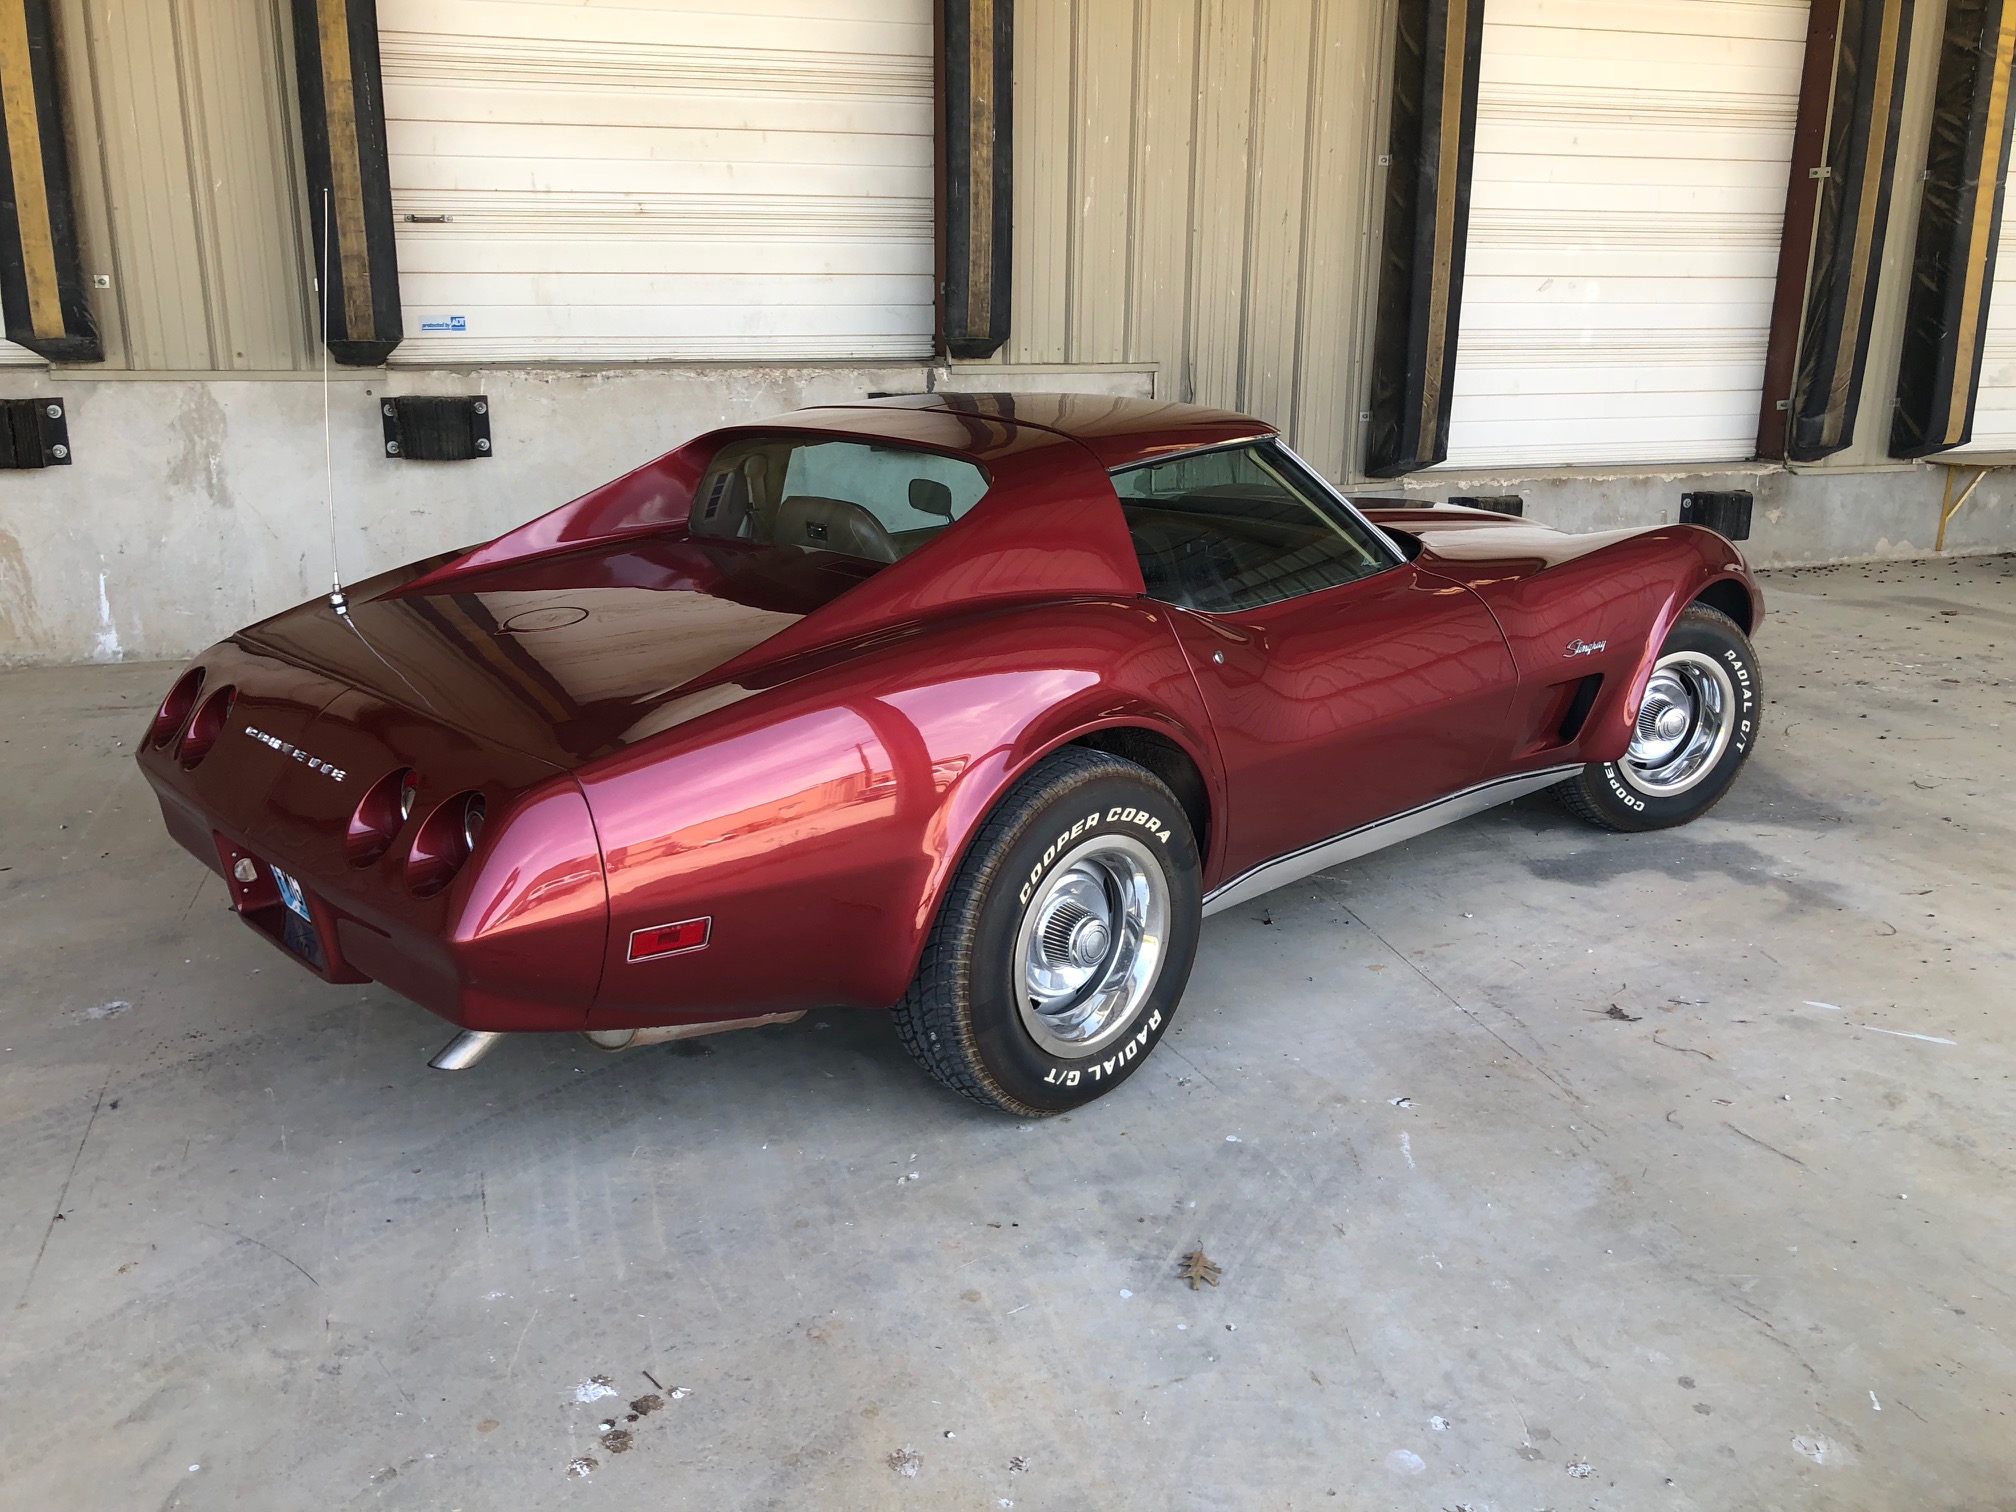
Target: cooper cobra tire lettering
x: 963, y: 1017
x: 1057, y: 847
x: 1622, y: 793
x: 1156, y: 827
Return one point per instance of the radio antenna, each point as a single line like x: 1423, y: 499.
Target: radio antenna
x: 337, y: 600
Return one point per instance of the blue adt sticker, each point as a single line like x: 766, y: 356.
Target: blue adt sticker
x: 452, y: 323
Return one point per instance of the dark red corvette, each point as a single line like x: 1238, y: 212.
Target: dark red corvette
x: 972, y: 705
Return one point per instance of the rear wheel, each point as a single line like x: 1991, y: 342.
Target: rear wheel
x: 1064, y: 942
x: 1696, y: 726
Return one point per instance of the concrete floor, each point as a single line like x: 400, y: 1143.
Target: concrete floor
x: 1743, y: 1240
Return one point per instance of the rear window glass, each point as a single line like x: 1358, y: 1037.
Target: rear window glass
x: 1237, y: 528
x: 853, y: 498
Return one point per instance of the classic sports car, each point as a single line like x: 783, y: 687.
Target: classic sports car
x: 967, y: 705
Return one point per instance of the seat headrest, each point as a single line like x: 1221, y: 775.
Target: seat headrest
x: 833, y: 525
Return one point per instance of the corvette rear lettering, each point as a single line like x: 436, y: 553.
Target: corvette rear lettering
x: 285, y: 748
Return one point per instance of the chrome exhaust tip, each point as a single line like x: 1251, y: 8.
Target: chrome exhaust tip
x: 467, y: 1048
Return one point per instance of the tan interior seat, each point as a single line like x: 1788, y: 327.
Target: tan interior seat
x: 833, y: 525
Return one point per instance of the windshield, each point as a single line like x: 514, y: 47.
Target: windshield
x: 1239, y: 528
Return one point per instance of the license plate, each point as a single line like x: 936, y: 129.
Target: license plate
x: 290, y: 893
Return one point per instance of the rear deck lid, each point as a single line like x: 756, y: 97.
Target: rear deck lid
x: 568, y: 656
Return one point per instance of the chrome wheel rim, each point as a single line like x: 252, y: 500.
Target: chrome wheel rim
x: 1090, y: 946
x: 1684, y: 724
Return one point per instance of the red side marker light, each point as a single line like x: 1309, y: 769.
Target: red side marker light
x: 670, y: 939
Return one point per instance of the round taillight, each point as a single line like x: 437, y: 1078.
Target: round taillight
x: 443, y: 843
x: 175, y: 707
x: 208, y: 724
x: 379, y: 814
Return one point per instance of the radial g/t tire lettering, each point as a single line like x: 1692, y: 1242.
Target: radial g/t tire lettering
x: 1064, y: 942
x: 1696, y: 726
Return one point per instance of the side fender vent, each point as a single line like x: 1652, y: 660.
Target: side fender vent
x: 436, y: 427
x: 1727, y: 513
x: 1577, y: 714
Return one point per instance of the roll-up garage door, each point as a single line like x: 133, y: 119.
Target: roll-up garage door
x: 626, y: 180
x: 1995, y: 397
x: 1625, y: 213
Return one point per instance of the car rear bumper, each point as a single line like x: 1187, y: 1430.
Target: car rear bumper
x: 510, y: 938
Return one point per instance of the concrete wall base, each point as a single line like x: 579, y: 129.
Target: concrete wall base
x: 1800, y: 519
x: 196, y: 505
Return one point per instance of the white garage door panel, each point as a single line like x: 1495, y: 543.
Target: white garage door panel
x: 695, y: 254
x: 1726, y: 144
x: 1590, y: 264
x: 626, y: 106
x: 1591, y: 214
x: 610, y: 34
x: 556, y: 148
x: 1600, y: 442
x: 710, y: 322
x: 568, y: 290
x: 1630, y: 334
x: 1699, y: 405
x: 1698, y: 24
x: 1700, y: 369
x: 661, y: 179
x: 1626, y: 55
x: 1995, y: 399
x: 428, y: 180
x: 1614, y: 303
x: 1625, y: 211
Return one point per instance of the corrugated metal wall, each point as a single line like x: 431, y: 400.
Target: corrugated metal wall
x: 188, y: 183
x: 1193, y: 187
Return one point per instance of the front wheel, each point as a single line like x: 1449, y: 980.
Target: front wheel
x: 1064, y: 942
x: 1697, y: 724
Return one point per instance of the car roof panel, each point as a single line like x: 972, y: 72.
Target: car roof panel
x: 1119, y: 431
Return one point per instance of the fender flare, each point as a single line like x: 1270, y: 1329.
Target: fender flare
x: 979, y: 790
x: 1613, y: 729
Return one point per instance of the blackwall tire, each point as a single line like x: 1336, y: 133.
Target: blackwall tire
x: 1064, y: 942
x: 1697, y: 724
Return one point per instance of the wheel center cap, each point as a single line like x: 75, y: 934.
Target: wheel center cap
x: 1672, y: 724
x: 1089, y: 941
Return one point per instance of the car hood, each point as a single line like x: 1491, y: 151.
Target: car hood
x: 1510, y: 546
x: 566, y: 657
